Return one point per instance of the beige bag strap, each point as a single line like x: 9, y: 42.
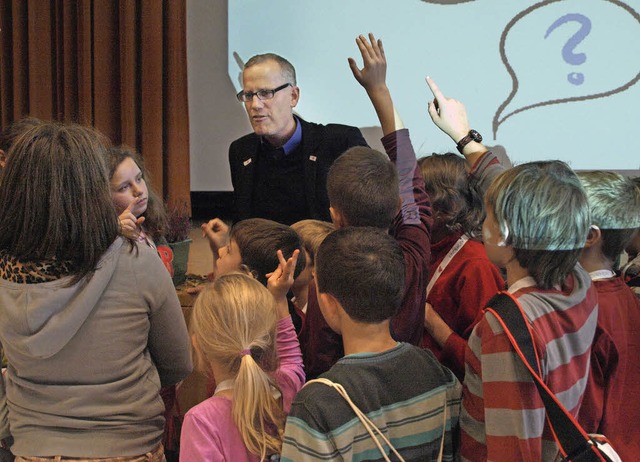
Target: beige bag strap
x: 370, y: 426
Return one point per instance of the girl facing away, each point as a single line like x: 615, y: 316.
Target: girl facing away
x: 240, y: 332
x: 463, y: 279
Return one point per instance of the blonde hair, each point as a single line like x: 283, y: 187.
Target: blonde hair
x: 312, y: 233
x: 543, y: 214
x: 234, y: 325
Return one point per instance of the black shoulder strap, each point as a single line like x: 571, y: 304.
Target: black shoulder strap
x: 574, y: 442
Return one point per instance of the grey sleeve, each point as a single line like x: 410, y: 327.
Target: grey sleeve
x: 169, y: 343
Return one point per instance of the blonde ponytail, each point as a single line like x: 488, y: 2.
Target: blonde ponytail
x: 234, y: 325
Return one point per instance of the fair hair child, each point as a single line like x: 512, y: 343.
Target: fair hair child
x: 609, y: 404
x: 528, y: 231
x: 141, y: 213
x: 312, y: 233
x: 463, y: 279
x: 360, y: 279
x: 242, y: 333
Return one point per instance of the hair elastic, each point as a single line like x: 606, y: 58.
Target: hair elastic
x: 245, y: 352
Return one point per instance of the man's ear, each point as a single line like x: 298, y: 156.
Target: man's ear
x: 594, y: 236
x: 3, y: 158
x: 337, y: 218
x: 295, y: 96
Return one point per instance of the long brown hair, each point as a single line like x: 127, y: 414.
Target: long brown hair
x: 55, y: 198
x: 156, y: 215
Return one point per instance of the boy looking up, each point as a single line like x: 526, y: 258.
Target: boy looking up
x: 403, y: 389
x: 609, y: 404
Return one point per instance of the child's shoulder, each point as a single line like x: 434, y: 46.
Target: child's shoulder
x: 214, y: 409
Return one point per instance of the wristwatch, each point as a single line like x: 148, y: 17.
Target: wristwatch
x: 471, y: 136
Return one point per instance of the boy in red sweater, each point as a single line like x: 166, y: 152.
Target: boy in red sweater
x: 537, y: 220
x: 609, y: 404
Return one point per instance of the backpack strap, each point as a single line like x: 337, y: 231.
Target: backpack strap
x: 573, y: 441
x: 366, y: 422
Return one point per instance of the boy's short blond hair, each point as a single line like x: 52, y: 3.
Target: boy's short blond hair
x: 543, y: 215
x: 312, y: 233
x: 614, y: 200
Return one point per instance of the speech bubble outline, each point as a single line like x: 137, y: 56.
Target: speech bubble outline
x: 514, y: 88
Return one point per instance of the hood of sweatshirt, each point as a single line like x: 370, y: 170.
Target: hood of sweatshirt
x: 38, y: 320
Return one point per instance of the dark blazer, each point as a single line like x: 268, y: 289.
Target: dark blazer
x: 321, y: 145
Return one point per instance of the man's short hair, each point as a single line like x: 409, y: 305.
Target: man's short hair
x: 363, y: 185
x: 287, y: 69
x: 543, y: 214
x: 259, y: 240
x: 363, y: 268
x: 614, y: 202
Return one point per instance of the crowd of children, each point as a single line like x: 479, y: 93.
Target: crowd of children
x: 381, y: 312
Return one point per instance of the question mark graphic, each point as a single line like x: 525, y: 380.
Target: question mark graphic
x: 576, y: 78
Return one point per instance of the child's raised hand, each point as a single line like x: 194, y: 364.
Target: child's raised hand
x: 449, y: 115
x: 217, y: 233
x: 130, y: 225
x: 280, y: 281
x: 373, y: 73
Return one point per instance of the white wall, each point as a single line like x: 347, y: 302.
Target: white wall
x: 463, y: 46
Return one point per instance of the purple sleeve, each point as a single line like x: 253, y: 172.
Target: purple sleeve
x: 290, y: 374
x: 412, y: 229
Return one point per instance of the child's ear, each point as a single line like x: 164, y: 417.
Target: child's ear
x: 330, y: 307
x: 594, y: 236
x: 337, y: 218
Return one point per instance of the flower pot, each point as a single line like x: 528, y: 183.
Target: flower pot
x: 180, y: 260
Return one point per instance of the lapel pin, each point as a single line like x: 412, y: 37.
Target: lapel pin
x: 246, y: 162
x: 313, y: 158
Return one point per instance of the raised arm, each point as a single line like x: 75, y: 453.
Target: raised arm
x: 280, y: 281
x: 450, y: 116
x: 217, y: 233
x: 372, y: 77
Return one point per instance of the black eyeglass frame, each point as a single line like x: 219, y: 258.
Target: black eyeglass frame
x: 264, y: 94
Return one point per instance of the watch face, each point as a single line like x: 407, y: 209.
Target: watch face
x: 475, y: 136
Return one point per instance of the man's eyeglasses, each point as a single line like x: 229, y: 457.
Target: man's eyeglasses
x: 246, y: 96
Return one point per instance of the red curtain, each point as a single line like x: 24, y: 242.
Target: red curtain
x: 119, y: 65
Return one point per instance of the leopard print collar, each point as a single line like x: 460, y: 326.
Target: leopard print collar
x: 28, y: 272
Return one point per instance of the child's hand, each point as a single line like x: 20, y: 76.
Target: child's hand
x: 217, y: 233
x: 280, y: 281
x: 435, y: 325
x: 130, y: 225
x: 449, y: 115
x: 373, y: 74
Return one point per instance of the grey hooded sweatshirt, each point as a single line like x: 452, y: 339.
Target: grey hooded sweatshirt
x: 86, y: 362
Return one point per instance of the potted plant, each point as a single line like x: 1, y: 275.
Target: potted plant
x: 177, y: 235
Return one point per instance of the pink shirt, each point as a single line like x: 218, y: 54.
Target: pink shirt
x: 209, y: 432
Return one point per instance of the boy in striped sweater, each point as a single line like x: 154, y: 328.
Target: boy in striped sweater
x: 408, y: 395
x: 536, y: 225
x: 537, y: 221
